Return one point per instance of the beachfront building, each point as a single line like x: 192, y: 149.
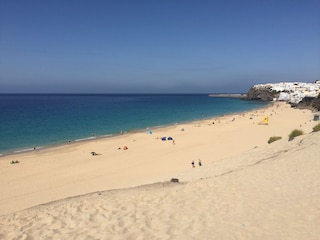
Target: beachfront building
x: 293, y: 92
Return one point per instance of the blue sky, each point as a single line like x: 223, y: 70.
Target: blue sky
x: 168, y: 46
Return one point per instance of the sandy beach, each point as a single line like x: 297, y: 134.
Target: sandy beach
x: 245, y: 188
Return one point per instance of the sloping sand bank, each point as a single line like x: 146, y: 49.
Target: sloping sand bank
x: 245, y: 189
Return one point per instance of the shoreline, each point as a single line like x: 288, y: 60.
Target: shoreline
x: 98, y: 137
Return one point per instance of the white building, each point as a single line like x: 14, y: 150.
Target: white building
x: 293, y: 92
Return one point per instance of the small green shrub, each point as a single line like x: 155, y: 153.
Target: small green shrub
x: 273, y: 139
x: 316, y: 128
x: 295, y: 133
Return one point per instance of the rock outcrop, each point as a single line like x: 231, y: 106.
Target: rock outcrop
x: 262, y: 94
x: 316, y: 103
x: 310, y: 103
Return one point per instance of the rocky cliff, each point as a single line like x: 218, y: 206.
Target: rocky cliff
x: 262, y: 94
x: 310, y: 102
x: 316, y: 103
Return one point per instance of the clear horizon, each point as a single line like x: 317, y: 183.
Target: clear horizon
x: 107, y: 47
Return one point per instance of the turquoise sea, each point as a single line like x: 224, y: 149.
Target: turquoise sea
x: 41, y: 120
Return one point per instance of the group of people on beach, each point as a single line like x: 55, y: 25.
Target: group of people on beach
x: 199, y: 163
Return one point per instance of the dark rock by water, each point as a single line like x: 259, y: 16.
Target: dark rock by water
x: 262, y: 94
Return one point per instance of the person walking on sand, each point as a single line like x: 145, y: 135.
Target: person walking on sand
x: 199, y: 161
x: 192, y: 163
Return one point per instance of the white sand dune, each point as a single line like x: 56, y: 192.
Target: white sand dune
x: 246, y: 188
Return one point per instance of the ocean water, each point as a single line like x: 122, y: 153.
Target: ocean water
x: 28, y: 121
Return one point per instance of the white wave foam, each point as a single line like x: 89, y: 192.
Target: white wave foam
x: 84, y: 139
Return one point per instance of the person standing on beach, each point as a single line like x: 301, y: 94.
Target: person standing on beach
x: 192, y: 163
x: 200, y: 163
